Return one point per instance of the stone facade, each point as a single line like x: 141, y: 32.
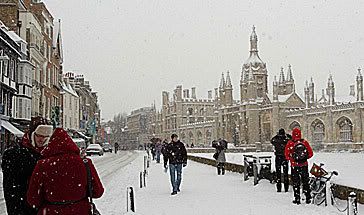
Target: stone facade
x: 140, y: 126
x: 258, y: 115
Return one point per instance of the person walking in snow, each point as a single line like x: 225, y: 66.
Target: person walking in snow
x: 59, y: 183
x: 158, y: 150
x: 220, y: 147
x: 298, y: 151
x: 176, y: 153
x: 18, y: 163
x: 279, y: 142
x: 116, y: 146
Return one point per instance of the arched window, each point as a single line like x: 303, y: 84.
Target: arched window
x: 208, y: 137
x: 345, y: 129
x: 199, y: 137
x: 191, y: 139
x: 318, y: 131
x: 293, y: 125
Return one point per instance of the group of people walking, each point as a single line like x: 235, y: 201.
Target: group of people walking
x: 296, y: 150
x: 45, y: 174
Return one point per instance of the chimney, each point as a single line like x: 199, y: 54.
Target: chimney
x: 193, y: 89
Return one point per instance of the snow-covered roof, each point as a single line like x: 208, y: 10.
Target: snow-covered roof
x: 68, y: 88
x: 15, y: 37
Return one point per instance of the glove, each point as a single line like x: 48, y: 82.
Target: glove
x: 184, y: 165
x: 165, y: 166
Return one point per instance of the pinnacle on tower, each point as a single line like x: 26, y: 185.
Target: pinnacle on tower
x: 228, y: 80
x: 281, y: 77
x: 222, y: 82
x: 359, y: 76
x: 289, y: 73
x: 253, y: 41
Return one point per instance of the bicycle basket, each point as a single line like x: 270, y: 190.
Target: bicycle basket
x: 317, y: 171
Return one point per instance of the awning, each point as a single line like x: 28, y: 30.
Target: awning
x: 11, y: 128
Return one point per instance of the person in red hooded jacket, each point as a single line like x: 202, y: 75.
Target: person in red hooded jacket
x: 298, y: 151
x: 59, y: 181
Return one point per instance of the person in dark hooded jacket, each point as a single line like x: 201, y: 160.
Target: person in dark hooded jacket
x: 176, y: 154
x: 298, y: 151
x: 18, y: 163
x: 59, y: 181
x: 279, y: 142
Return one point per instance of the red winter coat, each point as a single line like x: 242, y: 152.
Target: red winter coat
x: 288, y: 151
x: 61, y: 176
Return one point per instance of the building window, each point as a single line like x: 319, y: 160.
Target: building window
x: 318, y: 131
x: 345, y: 130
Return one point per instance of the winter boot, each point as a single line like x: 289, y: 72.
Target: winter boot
x: 279, y: 187
x: 296, y: 201
x: 308, y: 199
x: 286, y: 187
x: 174, y: 193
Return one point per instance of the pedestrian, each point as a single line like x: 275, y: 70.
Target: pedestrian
x: 176, y: 153
x: 59, y: 183
x: 116, y: 146
x: 279, y: 142
x: 158, y: 150
x: 298, y: 151
x: 220, y: 147
x: 192, y: 145
x: 18, y: 163
x: 152, y: 150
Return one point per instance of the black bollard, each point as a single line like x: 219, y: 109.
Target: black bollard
x: 132, y: 206
x: 246, y: 164
x: 141, y: 179
x: 145, y: 184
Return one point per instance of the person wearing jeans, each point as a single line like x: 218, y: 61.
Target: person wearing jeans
x: 175, y: 153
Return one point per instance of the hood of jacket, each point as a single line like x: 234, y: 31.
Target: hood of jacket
x: 296, y: 134
x: 60, y: 143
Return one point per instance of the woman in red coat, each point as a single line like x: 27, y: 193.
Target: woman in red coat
x: 298, y: 151
x: 59, y: 181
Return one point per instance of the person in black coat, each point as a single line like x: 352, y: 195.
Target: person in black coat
x: 176, y: 153
x: 18, y: 163
x: 279, y: 142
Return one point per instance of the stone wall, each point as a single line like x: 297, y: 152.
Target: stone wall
x: 339, y: 191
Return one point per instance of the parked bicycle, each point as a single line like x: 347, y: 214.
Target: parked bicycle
x: 319, y: 182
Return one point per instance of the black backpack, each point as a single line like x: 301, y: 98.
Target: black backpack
x: 300, y: 153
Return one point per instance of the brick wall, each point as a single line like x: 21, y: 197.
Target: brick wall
x: 9, y: 14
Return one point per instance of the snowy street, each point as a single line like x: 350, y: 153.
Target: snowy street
x: 202, y: 191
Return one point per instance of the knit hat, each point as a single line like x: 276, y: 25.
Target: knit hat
x: 35, y: 122
x: 42, y: 130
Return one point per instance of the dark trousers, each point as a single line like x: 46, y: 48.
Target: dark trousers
x: 220, y: 168
x: 281, y: 163
x: 300, y: 174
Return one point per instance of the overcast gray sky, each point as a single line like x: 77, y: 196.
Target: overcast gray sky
x: 132, y: 50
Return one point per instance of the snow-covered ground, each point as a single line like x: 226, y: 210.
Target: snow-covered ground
x: 349, y: 165
x: 202, y: 191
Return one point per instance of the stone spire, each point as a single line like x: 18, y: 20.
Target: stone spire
x: 228, y: 81
x: 359, y: 86
x: 289, y: 73
x: 331, y: 90
x: 253, y: 41
x: 222, y: 82
x: 281, y: 77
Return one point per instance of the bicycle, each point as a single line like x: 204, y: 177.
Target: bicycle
x: 318, y: 183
